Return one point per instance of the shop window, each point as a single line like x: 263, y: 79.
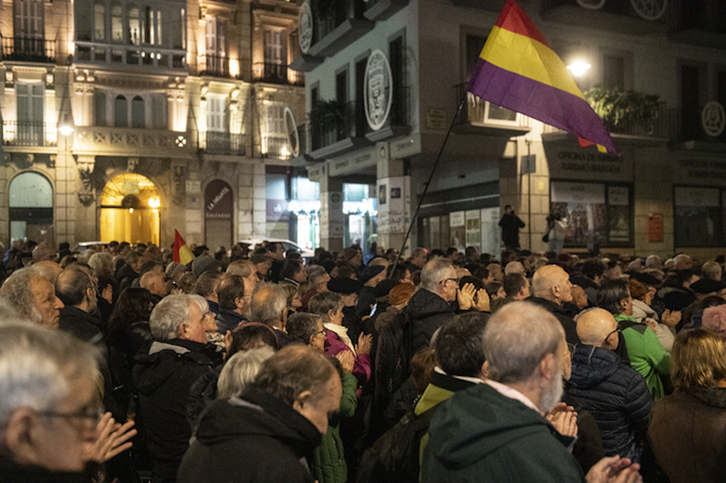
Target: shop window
x: 597, y: 214
x: 31, y: 208
x: 698, y: 216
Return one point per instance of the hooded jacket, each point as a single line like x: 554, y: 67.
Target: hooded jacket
x: 428, y: 312
x: 688, y: 435
x: 617, y: 397
x: 164, y: 377
x: 481, y: 435
x: 256, y: 438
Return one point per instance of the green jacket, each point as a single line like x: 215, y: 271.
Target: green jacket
x: 480, y: 435
x: 328, y: 465
x: 646, y: 353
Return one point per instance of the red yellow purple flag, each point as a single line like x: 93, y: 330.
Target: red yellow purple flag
x: 518, y: 70
x: 181, y: 253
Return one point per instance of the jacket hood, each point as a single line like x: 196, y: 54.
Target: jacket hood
x: 152, y: 369
x: 592, y: 365
x: 257, y: 414
x: 477, y: 422
x: 425, y: 303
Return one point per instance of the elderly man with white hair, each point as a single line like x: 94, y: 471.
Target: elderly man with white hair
x: 32, y: 296
x: 179, y: 356
x: 432, y: 305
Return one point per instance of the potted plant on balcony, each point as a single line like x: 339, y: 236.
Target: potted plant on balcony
x: 326, y: 120
x: 625, y: 111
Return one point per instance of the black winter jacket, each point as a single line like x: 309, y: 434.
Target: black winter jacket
x: 253, y: 439
x: 164, y: 377
x: 229, y: 320
x: 427, y: 312
x: 558, y: 311
x: 617, y: 397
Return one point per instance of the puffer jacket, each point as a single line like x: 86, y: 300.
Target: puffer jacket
x: 328, y: 464
x: 617, y: 397
x: 427, y: 312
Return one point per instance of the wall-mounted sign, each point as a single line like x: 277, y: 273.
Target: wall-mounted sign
x: 713, y: 118
x: 655, y: 228
x: 292, y: 134
x: 377, y: 90
x: 218, y: 200
x: 305, y: 27
x: 586, y: 166
x: 435, y: 118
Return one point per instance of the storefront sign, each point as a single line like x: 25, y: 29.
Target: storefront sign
x: 394, y: 203
x: 436, y: 118
x: 376, y: 90
x: 586, y: 165
x: 655, y: 228
x: 710, y: 171
x: 218, y: 200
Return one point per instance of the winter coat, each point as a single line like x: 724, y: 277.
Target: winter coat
x: 229, y: 320
x: 427, y: 312
x: 85, y: 326
x: 253, y: 439
x: 328, y: 464
x: 688, y: 435
x: 12, y: 472
x: 617, y: 397
x: 510, y: 224
x: 556, y: 309
x: 164, y: 377
x: 362, y: 366
x: 647, y: 355
x: 480, y: 435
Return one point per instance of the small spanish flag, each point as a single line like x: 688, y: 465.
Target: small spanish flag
x: 182, y: 253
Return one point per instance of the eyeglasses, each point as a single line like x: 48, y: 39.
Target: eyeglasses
x: 616, y: 331
x: 324, y: 332
x: 90, y: 413
x: 455, y: 280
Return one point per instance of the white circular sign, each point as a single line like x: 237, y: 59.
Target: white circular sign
x: 713, y: 118
x: 292, y: 135
x: 591, y: 4
x: 377, y: 92
x: 305, y: 27
x: 649, y: 9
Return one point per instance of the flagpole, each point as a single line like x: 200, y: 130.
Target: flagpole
x: 428, y: 183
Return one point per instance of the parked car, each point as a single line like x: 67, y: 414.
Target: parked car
x: 83, y: 246
x: 286, y: 245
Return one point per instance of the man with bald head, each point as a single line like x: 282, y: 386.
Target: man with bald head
x: 612, y: 391
x: 156, y: 283
x: 551, y: 288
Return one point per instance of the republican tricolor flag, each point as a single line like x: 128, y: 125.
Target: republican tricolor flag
x: 518, y: 70
x: 182, y: 253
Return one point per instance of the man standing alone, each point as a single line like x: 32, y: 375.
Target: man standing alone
x: 510, y: 224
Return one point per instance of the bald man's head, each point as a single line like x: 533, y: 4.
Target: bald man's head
x: 155, y: 283
x: 48, y: 269
x: 597, y: 327
x: 552, y: 283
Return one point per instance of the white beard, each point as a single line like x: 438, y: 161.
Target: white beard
x: 551, y: 395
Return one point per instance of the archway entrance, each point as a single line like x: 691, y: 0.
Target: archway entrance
x: 130, y: 210
x: 31, y: 208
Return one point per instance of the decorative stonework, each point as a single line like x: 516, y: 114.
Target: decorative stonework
x: 178, y: 188
x: 86, y: 166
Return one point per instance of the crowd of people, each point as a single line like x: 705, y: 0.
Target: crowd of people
x: 254, y: 365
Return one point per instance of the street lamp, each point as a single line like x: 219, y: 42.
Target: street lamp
x: 66, y: 126
x: 578, y: 67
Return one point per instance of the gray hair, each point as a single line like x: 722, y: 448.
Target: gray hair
x: 243, y: 268
x: 16, y: 292
x: 434, y: 272
x: 315, y: 273
x: 516, y: 339
x: 653, y: 261
x: 323, y: 302
x: 168, y: 315
x: 240, y: 370
x: 37, y: 365
x: 267, y: 304
x: 101, y: 263
x: 711, y: 270
x: 200, y: 301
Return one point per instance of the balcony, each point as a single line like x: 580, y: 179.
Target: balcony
x: 335, y: 129
x: 612, y: 15
x: 301, y: 62
x: 383, y: 9
x: 698, y: 22
x: 337, y: 26
x: 222, y: 143
x: 687, y: 132
x: 116, y: 141
x: 275, y: 147
x: 28, y: 133
x: 277, y: 74
x: 215, y: 66
x: 28, y: 49
x: 481, y: 117
x: 146, y: 58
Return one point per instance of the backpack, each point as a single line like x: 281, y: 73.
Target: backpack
x: 394, y: 457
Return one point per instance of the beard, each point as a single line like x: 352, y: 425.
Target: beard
x: 551, y: 395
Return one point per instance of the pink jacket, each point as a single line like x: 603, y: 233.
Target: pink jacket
x: 362, y: 366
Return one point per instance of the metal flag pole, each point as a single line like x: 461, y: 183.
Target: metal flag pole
x: 428, y: 183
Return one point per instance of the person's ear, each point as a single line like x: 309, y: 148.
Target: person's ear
x: 239, y: 302
x: 624, y: 304
x: 331, y: 313
x: 548, y: 367
x: 484, y: 373
x: 21, y: 433
x: 301, y: 399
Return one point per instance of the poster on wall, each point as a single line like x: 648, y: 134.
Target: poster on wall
x: 618, y: 214
x: 583, y: 207
x: 473, y: 230
x: 457, y: 230
x: 698, y: 217
x: 490, y: 231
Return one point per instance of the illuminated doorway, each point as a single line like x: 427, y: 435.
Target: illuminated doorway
x: 130, y: 206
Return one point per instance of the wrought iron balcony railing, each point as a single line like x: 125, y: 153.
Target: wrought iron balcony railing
x: 28, y: 133
x: 222, y: 143
x: 28, y: 49
x: 275, y: 73
x: 215, y: 65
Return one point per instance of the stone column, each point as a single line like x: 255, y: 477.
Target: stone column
x: 393, y: 190
x: 331, y: 213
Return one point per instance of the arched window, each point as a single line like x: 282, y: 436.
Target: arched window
x: 31, y: 207
x: 99, y: 109
x: 99, y: 20
x: 120, y: 112
x: 138, y: 113
x: 134, y: 25
x: 117, y: 22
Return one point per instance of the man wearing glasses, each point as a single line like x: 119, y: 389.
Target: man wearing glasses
x: 432, y: 305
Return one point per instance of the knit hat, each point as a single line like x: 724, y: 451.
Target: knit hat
x: 344, y: 286
x: 370, y: 272
x: 401, y: 293
x: 205, y: 263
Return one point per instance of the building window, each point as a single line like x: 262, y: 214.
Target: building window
x: 29, y: 19
x: 138, y: 113
x: 613, y: 71
x: 691, y: 80
x: 179, y: 32
x: 698, y: 216
x: 29, y: 100
x: 275, y: 140
x: 120, y: 112
x: 99, y: 20
x: 216, y: 52
x: 99, y: 109
x: 216, y: 105
x: 31, y: 207
x: 275, y: 54
x: 159, y: 109
x: 117, y: 22
x: 134, y: 25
